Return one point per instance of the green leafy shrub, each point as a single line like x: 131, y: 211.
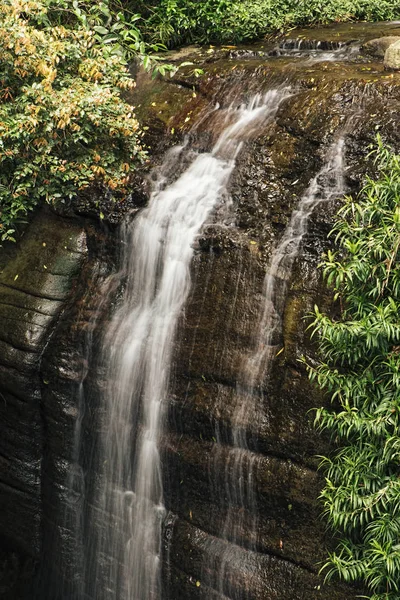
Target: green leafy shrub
x: 176, y: 22
x: 359, y: 367
x: 63, y: 124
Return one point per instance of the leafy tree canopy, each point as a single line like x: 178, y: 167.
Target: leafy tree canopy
x: 63, y: 124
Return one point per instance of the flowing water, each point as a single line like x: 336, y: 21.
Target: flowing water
x: 316, y: 51
x: 158, y: 247
x: 241, y: 463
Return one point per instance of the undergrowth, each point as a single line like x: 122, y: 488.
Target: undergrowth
x: 176, y: 22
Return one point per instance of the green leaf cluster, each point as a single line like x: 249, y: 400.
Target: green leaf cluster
x: 359, y: 367
x: 175, y: 22
x: 63, y: 124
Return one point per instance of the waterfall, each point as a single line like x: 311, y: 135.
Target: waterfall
x: 241, y: 463
x: 126, y: 525
x: 326, y: 186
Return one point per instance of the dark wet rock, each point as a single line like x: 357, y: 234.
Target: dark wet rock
x: 345, y: 32
x: 35, y: 283
x: 99, y: 203
x: 260, y: 576
x: 69, y: 400
x: 379, y: 46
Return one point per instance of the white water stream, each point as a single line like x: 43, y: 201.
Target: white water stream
x: 158, y: 247
x: 326, y: 186
x: 241, y: 463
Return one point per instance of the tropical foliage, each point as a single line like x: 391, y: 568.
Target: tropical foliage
x: 231, y: 21
x: 359, y: 367
x: 63, y: 124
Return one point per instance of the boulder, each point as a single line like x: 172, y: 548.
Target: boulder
x: 378, y: 46
x: 392, y: 57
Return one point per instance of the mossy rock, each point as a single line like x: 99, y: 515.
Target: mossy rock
x: 378, y: 46
x: 392, y: 57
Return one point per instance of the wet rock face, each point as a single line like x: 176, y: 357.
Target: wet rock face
x: 53, y: 313
x: 217, y: 334
x: 35, y: 283
x: 291, y: 538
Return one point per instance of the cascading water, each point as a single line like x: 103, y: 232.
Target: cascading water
x: 158, y: 246
x: 328, y: 185
x: 316, y: 51
x: 241, y: 462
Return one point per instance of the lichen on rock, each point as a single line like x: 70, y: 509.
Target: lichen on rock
x: 392, y: 57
